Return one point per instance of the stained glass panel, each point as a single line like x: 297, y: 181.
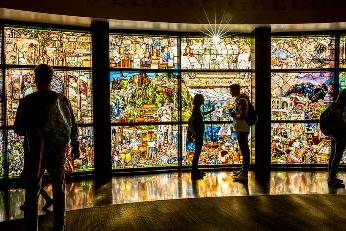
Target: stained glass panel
x: 2, y: 154
x: 228, y: 53
x: 342, y: 80
x: 301, y: 96
x: 28, y: 46
x: 220, y: 146
x: 76, y: 85
x: 343, y: 51
x: 302, y: 52
x: 215, y: 89
x: 142, y: 51
x: 15, y: 154
x: 144, y: 146
x: 143, y: 97
x: 299, y: 143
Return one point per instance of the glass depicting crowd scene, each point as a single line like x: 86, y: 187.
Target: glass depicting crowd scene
x: 226, y: 53
x: 147, y: 52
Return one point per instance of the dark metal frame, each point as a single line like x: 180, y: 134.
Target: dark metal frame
x: 336, y: 34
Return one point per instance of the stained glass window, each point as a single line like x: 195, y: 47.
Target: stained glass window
x: 27, y: 46
x: 215, y: 89
x: 86, y: 146
x: 303, y: 52
x: 220, y: 146
x: 15, y: 154
x: 301, y: 96
x: 342, y: 80
x: 299, y: 143
x: 228, y: 53
x: 142, y: 51
x: 76, y: 85
x: 144, y: 146
x: 343, y: 51
x: 2, y: 154
x: 143, y: 97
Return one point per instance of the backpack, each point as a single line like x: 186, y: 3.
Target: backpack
x: 57, y: 129
x: 251, y: 117
x: 328, y: 121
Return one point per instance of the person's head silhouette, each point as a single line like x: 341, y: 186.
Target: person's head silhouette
x: 198, y: 100
x: 235, y: 90
x: 43, y: 76
x: 341, y: 100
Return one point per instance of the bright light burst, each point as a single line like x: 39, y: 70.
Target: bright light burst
x: 216, y: 28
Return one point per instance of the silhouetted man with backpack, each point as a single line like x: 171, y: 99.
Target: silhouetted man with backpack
x: 244, y: 117
x: 333, y: 123
x: 46, y: 120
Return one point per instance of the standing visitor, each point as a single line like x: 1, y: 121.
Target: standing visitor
x: 244, y: 116
x: 45, y: 118
x: 196, y: 132
x: 333, y: 123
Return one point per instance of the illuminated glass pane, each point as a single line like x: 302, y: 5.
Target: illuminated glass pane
x: 343, y: 51
x: 15, y: 154
x: 143, y: 97
x: 29, y: 46
x: 86, y: 160
x: 1, y: 100
x: 144, y: 146
x: 301, y: 96
x: 76, y: 85
x: 220, y: 146
x: 204, y: 53
x: 299, y: 143
x: 215, y: 89
x: 342, y: 80
x: 302, y: 52
x: 2, y: 154
x: 142, y: 51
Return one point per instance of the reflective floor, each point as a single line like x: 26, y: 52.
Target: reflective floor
x: 128, y: 189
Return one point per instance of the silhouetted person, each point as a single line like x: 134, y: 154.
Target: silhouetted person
x: 196, y: 132
x: 339, y: 107
x: 242, y: 129
x: 36, y: 117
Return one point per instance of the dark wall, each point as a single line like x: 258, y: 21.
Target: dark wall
x: 193, y: 11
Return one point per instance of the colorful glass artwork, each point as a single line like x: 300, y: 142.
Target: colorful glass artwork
x: 144, y: 146
x: 299, y: 143
x: 220, y: 146
x: 84, y: 163
x: 215, y: 89
x: 343, y: 51
x: 143, y: 97
x: 342, y: 80
x: 228, y: 53
x: 2, y: 154
x: 15, y: 154
x: 86, y: 146
x: 142, y: 51
x: 302, y: 52
x: 76, y: 85
x: 301, y: 96
x: 29, y: 46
